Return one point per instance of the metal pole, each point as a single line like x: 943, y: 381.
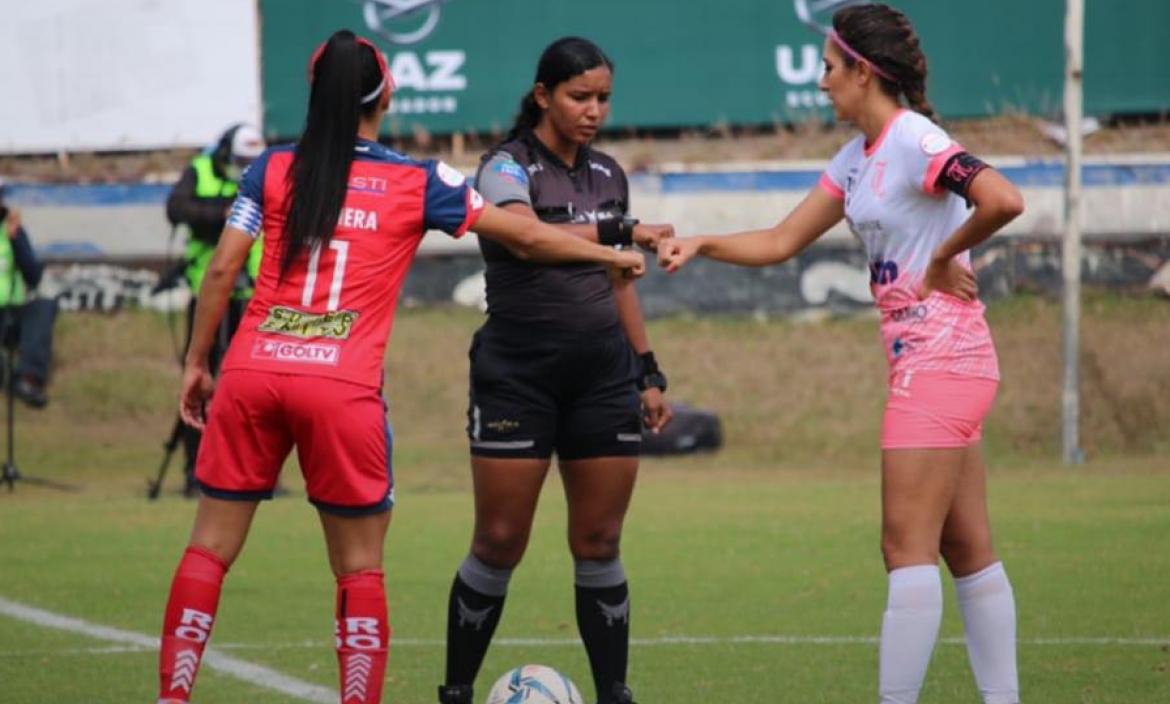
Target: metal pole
x: 1071, y: 260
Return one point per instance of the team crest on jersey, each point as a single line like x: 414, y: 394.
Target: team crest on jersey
x: 877, y: 181
x: 335, y: 325
x: 449, y: 176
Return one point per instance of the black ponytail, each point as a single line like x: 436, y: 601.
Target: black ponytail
x: 528, y: 117
x: 317, y: 179
x: 565, y: 58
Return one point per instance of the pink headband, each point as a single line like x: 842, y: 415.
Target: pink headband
x: 858, y: 57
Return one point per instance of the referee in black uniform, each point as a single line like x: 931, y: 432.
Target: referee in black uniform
x: 562, y: 365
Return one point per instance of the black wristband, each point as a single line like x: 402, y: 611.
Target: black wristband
x: 649, y: 363
x: 650, y: 375
x: 612, y: 232
x: 628, y: 224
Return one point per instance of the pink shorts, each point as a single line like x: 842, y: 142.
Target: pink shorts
x: 933, y: 409
x: 340, y: 430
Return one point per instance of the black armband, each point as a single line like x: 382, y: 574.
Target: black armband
x: 650, y: 375
x: 617, y: 231
x: 958, y: 173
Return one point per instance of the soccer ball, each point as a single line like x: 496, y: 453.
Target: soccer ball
x: 534, y: 684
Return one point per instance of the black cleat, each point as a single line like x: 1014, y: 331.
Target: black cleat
x: 620, y: 694
x: 455, y: 694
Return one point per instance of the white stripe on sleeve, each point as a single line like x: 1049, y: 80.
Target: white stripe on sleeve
x: 246, y: 215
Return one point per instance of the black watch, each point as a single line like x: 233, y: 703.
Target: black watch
x: 650, y: 375
x: 628, y: 224
x: 616, y: 231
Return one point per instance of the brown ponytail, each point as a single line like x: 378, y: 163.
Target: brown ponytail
x: 885, y: 37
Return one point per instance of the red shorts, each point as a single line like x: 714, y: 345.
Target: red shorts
x: 340, y: 430
x: 936, y: 410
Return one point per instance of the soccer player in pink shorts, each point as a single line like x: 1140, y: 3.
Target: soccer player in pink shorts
x: 343, y: 217
x: 918, y: 202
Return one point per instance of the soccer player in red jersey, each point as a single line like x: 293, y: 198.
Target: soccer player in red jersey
x: 343, y: 217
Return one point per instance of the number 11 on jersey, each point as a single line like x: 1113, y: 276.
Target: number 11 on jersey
x: 342, y: 249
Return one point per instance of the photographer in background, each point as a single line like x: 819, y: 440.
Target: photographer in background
x: 200, y: 203
x: 20, y: 272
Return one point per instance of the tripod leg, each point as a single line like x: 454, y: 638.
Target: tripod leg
x: 172, y: 443
x: 191, y: 439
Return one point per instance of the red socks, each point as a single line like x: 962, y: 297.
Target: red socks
x: 362, y: 628
x: 187, y: 624
x: 362, y: 632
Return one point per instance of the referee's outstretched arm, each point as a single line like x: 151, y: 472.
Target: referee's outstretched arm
x: 531, y: 239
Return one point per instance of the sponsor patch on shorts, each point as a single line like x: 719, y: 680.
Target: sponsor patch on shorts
x: 629, y: 437
x: 302, y: 352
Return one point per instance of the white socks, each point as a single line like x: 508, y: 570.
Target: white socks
x: 909, y: 630
x: 989, y: 619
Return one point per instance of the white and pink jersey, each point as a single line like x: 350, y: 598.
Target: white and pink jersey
x: 896, y: 208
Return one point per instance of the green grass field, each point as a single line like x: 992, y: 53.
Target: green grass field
x: 755, y: 572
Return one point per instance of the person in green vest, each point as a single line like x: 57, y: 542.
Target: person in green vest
x: 199, y: 205
x: 20, y: 272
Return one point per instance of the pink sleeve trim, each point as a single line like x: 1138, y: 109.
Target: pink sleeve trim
x: 935, y: 167
x: 831, y: 187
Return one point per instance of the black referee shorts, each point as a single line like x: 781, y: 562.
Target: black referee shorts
x: 536, y: 393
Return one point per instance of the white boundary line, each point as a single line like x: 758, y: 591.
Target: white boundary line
x: 573, y: 642
x: 130, y: 640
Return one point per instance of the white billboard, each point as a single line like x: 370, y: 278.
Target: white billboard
x: 125, y: 74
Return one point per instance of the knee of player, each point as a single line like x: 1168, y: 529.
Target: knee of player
x: 967, y: 556
x: 225, y: 550
x: 891, y: 546
x: 600, y: 543
x: 899, y: 550
x: 500, y: 545
x: 349, y: 564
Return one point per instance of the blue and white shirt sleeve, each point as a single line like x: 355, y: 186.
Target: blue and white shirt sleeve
x: 451, y: 204
x: 248, y: 209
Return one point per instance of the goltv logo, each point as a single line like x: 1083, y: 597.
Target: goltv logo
x: 307, y: 353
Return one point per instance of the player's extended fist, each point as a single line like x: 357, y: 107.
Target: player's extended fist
x: 673, y: 253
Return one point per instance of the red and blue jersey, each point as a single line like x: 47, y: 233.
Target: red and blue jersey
x: 331, y: 313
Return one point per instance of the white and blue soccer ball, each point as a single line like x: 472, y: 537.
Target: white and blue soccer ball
x: 534, y: 684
